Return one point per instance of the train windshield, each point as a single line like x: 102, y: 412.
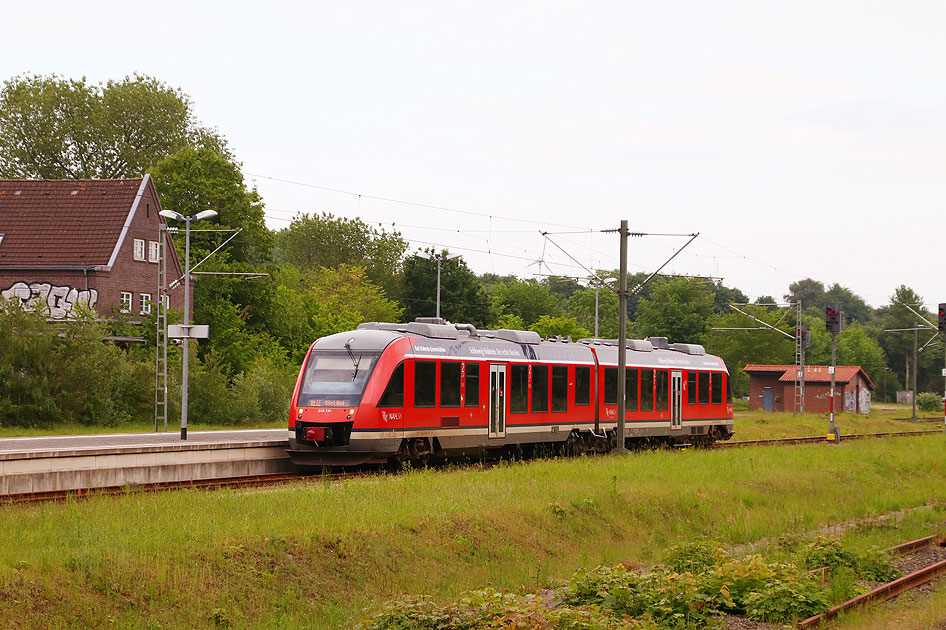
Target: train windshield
x: 336, y: 378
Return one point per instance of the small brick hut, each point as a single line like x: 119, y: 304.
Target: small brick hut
x: 89, y: 242
x: 772, y: 388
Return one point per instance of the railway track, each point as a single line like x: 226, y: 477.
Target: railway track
x: 253, y: 481
x: 890, y: 589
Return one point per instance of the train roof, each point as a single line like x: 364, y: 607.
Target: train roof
x: 440, y: 339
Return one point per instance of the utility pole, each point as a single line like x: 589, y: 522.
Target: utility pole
x: 915, y: 333
x: 941, y: 327
x: 622, y: 340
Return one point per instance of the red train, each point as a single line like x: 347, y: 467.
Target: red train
x: 430, y: 389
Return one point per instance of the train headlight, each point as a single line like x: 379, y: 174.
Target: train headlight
x: 351, y: 412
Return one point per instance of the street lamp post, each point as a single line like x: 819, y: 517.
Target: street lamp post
x: 177, y: 216
x: 440, y: 260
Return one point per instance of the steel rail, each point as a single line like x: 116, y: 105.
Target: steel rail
x: 818, y: 438
x: 879, y: 594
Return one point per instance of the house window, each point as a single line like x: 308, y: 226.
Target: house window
x: 126, y: 301
x: 145, y: 303
x: 139, y: 249
x: 154, y: 252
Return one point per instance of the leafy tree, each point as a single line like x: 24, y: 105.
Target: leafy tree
x: 528, y: 299
x: 314, y: 241
x: 562, y: 286
x: 510, y: 322
x: 852, y: 306
x: 192, y: 180
x: 809, y: 291
x: 462, y: 297
x: 724, y: 296
x: 742, y: 347
x: 52, y: 127
x: 581, y: 306
x: 678, y: 309
x: 549, y: 326
x: 898, y: 346
x: 857, y: 347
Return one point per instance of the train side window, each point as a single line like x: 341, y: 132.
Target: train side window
x: 728, y: 389
x: 583, y: 385
x: 450, y: 384
x: 662, y: 397
x: 691, y: 387
x: 704, y: 388
x: 425, y: 383
x: 540, y: 388
x: 610, y: 386
x: 518, y: 388
x: 647, y: 390
x: 630, y: 389
x: 393, y: 395
x: 472, y: 385
x: 559, y: 388
x: 717, y: 388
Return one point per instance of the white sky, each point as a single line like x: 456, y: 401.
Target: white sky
x: 800, y: 138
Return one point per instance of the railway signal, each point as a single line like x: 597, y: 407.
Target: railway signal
x: 942, y: 318
x: 832, y: 318
x: 805, y: 335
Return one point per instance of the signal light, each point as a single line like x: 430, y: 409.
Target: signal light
x: 805, y: 335
x: 832, y: 318
x: 942, y: 318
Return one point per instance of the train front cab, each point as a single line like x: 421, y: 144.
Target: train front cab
x: 328, y: 423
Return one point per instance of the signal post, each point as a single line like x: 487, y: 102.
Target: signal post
x: 832, y: 319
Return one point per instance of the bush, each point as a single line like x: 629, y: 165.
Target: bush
x: 872, y: 564
x: 928, y: 401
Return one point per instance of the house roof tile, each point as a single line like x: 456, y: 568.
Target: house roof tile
x: 813, y: 373
x: 78, y: 222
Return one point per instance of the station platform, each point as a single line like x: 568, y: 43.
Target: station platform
x: 56, y: 463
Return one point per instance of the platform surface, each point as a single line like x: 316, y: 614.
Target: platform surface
x: 166, y: 441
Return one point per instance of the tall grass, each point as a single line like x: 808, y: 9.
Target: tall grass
x: 314, y: 554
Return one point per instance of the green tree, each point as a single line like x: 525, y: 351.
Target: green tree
x: 809, y: 291
x: 324, y: 240
x: 739, y: 348
x: 724, y: 296
x: 462, y: 297
x: 678, y: 309
x: 52, y: 127
x: 898, y: 346
x: 852, y: 306
x: 549, y: 326
x: 528, y: 299
x: 581, y: 306
x: 857, y: 347
x: 196, y: 179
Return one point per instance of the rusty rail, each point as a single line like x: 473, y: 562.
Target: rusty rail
x: 208, y: 484
x: 879, y: 594
x: 819, y: 438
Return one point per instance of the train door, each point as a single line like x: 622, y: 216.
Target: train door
x: 497, y: 400
x: 676, y: 399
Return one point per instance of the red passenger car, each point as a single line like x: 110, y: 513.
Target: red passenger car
x: 429, y: 389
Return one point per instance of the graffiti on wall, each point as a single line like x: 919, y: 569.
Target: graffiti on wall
x: 60, y: 301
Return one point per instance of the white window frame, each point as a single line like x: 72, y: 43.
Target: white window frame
x: 139, y: 249
x: 153, y: 251
x: 144, y: 303
x: 126, y: 298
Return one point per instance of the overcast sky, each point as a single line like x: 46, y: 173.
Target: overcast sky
x: 800, y: 139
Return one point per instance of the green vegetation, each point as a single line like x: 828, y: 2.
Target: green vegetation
x: 763, y: 425
x: 316, y: 554
x: 928, y: 401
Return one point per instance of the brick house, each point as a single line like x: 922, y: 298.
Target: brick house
x: 772, y: 388
x: 84, y: 242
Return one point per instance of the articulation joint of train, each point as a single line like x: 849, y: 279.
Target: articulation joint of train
x: 429, y: 390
